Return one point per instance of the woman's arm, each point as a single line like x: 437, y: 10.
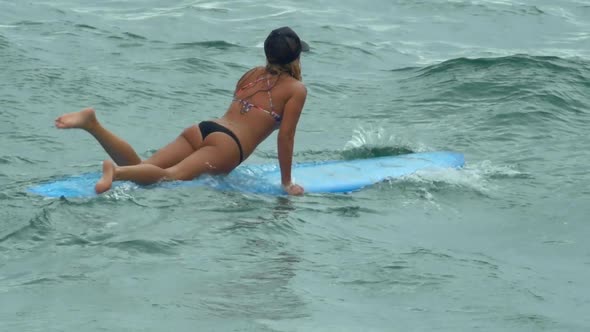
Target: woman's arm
x: 286, y: 138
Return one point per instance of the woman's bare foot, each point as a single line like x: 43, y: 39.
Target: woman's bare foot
x: 83, y: 119
x: 108, y: 174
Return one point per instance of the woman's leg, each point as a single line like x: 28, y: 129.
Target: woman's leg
x: 121, y: 152
x: 143, y: 174
x: 219, y: 155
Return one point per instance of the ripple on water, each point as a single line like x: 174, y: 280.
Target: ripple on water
x: 144, y: 246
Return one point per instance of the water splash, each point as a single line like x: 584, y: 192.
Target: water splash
x: 481, y: 177
x: 371, y: 142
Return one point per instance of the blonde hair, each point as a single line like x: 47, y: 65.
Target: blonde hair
x: 292, y: 68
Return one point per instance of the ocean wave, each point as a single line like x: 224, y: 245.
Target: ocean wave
x: 503, y: 66
x: 145, y: 246
x: 17, y: 160
x: 29, y: 23
x: 86, y: 26
x: 32, y: 233
x: 3, y: 42
x: 212, y: 6
x: 481, y: 6
x: 521, y: 89
x: 197, y: 65
x: 273, y: 15
x: 359, y: 47
x: 218, y: 44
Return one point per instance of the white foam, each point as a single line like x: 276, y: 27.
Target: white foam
x: 477, y: 177
x: 372, y: 137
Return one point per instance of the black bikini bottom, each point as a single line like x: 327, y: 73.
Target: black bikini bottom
x: 208, y: 127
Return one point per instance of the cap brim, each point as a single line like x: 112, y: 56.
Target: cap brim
x: 305, y: 47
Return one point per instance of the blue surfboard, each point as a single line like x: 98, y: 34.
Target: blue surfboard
x: 338, y: 176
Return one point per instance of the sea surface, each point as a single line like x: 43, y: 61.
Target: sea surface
x: 501, y: 245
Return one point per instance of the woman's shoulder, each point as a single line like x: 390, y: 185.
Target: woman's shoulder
x: 292, y: 89
x: 295, y: 85
x: 249, y: 73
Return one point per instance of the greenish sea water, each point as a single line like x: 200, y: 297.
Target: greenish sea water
x: 500, y: 245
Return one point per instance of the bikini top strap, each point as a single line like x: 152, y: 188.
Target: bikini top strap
x: 245, y: 77
x: 268, y: 88
x: 251, y: 84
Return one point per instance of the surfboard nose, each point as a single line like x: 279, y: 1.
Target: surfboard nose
x: 458, y: 159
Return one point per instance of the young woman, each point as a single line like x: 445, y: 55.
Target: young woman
x: 265, y: 98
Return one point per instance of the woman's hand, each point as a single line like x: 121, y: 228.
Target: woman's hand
x: 294, y: 189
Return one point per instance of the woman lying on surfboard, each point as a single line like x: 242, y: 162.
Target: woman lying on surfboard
x: 265, y: 98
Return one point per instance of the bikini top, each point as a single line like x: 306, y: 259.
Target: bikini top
x: 247, y: 106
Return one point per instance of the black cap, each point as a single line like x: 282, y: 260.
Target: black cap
x: 282, y: 46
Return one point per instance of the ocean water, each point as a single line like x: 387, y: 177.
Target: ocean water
x: 500, y: 245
